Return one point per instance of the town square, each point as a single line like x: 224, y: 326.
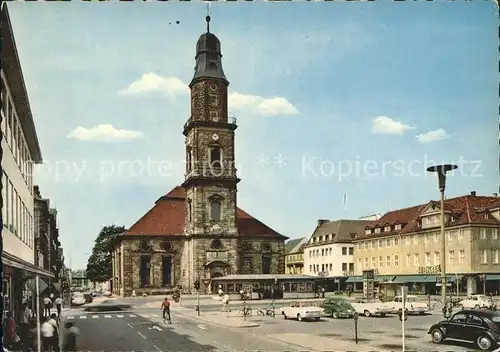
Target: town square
x: 199, y: 176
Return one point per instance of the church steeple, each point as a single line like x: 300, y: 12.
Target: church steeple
x: 208, y: 57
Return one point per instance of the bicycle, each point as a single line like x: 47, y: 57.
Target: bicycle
x: 169, y: 318
x: 245, y: 312
x: 268, y: 312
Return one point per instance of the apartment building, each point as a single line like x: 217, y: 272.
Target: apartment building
x: 330, y: 251
x: 294, y: 256
x: 20, y: 150
x: 404, y: 246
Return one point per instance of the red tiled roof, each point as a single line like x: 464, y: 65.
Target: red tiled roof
x: 166, y: 218
x: 465, y: 209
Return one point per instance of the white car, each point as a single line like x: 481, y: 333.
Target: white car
x: 412, y: 305
x: 475, y: 302
x: 78, y: 299
x: 302, y: 310
x: 369, y: 307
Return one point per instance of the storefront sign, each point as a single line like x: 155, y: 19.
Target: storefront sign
x: 433, y: 269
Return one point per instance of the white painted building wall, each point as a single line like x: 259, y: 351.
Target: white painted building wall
x: 336, y: 259
x: 17, y: 191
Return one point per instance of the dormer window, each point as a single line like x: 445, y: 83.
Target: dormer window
x: 368, y: 231
x: 387, y: 229
x: 377, y: 230
x: 486, y: 216
x: 215, y: 210
x: 397, y: 227
x: 320, y: 238
x: 215, y: 157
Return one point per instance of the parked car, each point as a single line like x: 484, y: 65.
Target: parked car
x: 476, y: 302
x: 412, y: 305
x: 336, y: 307
x: 302, y: 310
x: 78, y: 299
x: 369, y: 307
x: 481, y: 327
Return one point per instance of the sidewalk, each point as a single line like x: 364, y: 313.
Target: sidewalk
x: 224, y: 319
x: 318, y: 343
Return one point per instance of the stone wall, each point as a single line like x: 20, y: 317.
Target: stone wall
x: 200, y: 102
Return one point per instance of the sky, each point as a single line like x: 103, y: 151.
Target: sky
x: 334, y: 101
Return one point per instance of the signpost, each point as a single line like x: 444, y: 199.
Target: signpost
x: 37, y: 291
x: 404, y: 292
x: 356, y: 316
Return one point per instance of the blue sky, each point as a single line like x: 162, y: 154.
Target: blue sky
x: 382, y: 87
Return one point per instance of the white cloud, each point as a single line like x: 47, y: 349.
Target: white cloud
x: 261, y: 106
x: 432, y: 136
x: 103, y: 133
x: 153, y: 83
x: 386, y: 125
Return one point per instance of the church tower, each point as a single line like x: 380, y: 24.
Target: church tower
x: 210, y: 180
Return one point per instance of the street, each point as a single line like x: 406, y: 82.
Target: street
x: 141, y: 329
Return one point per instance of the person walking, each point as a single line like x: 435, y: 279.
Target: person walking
x: 47, y: 303
x: 58, y: 302
x: 55, y: 336
x: 47, y: 331
x: 9, y: 328
x: 71, y: 333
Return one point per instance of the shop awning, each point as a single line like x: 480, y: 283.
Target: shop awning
x: 353, y: 279
x: 434, y: 278
x: 384, y: 278
x: 15, y: 262
x: 410, y: 279
x: 492, y: 277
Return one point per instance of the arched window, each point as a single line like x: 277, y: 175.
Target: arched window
x: 215, y: 157
x: 215, y: 208
x: 189, y: 159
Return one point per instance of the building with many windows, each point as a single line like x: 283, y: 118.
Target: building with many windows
x: 294, y: 256
x: 20, y: 151
x: 196, y: 231
x: 329, y: 251
x: 404, y: 246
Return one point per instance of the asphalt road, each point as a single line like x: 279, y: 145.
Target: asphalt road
x: 137, y: 330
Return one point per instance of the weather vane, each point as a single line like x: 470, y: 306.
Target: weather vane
x: 208, y: 17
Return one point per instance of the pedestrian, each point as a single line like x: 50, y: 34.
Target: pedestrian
x: 47, y: 303
x: 27, y: 316
x: 9, y: 328
x: 55, y: 336
x: 47, y: 331
x: 165, y: 306
x: 71, y: 333
x: 58, y: 303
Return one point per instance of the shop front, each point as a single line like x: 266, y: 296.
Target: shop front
x: 15, y: 288
x: 267, y: 286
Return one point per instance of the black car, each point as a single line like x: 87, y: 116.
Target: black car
x: 481, y: 327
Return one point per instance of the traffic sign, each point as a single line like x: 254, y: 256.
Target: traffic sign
x: 206, y: 282
x: 42, y: 285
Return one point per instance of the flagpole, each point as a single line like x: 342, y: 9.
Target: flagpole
x: 345, y: 205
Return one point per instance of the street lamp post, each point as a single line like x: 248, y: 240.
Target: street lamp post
x: 441, y: 171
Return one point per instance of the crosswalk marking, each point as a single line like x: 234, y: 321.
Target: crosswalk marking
x: 107, y: 316
x: 95, y: 316
x: 132, y: 315
x: 155, y: 315
x: 69, y: 318
x: 119, y: 316
x: 144, y: 315
x: 83, y: 317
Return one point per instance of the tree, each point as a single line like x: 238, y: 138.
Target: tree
x: 99, y: 265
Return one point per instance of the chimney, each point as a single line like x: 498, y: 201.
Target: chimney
x: 473, y: 193
x: 321, y: 222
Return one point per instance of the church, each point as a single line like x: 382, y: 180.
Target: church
x: 196, y: 231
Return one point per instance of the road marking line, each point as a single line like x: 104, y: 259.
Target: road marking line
x: 70, y: 318
x: 203, y: 327
x: 144, y: 337
x: 83, y: 317
x: 155, y: 315
x: 119, y: 316
x: 157, y: 348
x: 95, y: 317
x: 130, y: 325
x: 107, y: 316
x: 132, y: 315
x: 144, y: 315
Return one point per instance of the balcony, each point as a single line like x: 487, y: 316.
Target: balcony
x: 231, y: 124
x: 216, y: 256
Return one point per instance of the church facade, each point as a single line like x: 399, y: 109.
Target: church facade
x: 196, y: 231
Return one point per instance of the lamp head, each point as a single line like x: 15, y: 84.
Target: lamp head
x: 441, y: 171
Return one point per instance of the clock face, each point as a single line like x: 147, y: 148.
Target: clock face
x: 215, y: 137
x: 213, y: 87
